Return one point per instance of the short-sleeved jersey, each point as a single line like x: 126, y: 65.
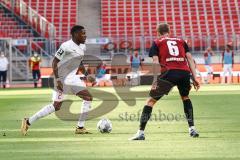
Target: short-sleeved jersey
x: 35, y: 63
x: 3, y: 64
x: 135, y: 61
x: 207, y: 58
x: 101, y: 71
x: 171, y: 53
x: 70, y: 55
x: 228, y: 57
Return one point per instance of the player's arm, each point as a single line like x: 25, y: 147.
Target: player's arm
x: 155, y: 59
x: 212, y: 53
x: 205, y: 56
x: 222, y: 58
x: 84, y: 71
x: 131, y: 59
x: 192, y: 67
x: 193, y: 70
x: 58, y: 56
x: 55, y: 67
x: 7, y: 63
x: 55, y: 73
x: 154, y: 52
x: 191, y: 64
x: 30, y: 63
x: 141, y: 62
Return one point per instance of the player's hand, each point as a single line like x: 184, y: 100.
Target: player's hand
x: 91, y: 79
x: 196, y: 84
x: 59, y: 86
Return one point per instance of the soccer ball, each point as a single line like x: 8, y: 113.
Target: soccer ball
x: 104, y: 125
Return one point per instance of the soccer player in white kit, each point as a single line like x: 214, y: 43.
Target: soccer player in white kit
x: 66, y: 64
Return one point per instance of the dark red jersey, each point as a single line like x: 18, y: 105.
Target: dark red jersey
x: 171, y: 53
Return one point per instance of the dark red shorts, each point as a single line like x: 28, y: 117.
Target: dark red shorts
x: 167, y: 80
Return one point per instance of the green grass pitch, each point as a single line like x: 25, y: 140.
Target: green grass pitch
x: 217, y: 118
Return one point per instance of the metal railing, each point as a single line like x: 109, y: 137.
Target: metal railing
x: 32, y: 17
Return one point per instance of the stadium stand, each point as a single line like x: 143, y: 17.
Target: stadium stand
x: 188, y: 18
x: 128, y: 24
x: 62, y: 14
x: 10, y: 26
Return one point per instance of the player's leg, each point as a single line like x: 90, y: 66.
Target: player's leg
x: 224, y: 73
x: 46, y: 110
x: 4, y: 78
x: 145, y: 116
x: 188, y: 110
x: 160, y: 88
x: 38, y: 76
x: 205, y: 76
x: 98, y: 81
x: 135, y: 76
x: 209, y: 73
x: 108, y: 79
x: 184, y: 88
x: 34, y: 74
x: 138, y: 76
x: 78, y: 87
x: 146, y: 113
x: 1, y: 74
x: 229, y: 73
x: 104, y: 79
x: 198, y: 73
x: 86, y: 106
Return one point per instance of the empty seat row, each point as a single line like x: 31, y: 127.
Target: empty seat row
x: 57, y: 12
x: 187, y: 18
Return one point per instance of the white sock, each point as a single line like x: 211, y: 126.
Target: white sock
x: 192, y: 127
x: 86, y: 105
x: 48, y: 109
x: 140, y: 132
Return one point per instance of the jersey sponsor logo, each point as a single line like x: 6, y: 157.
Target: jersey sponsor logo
x: 60, y: 52
x: 175, y: 59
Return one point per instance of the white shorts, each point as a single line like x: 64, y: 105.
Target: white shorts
x: 227, y: 68
x: 209, y: 69
x: 71, y: 85
x: 135, y: 69
x: 198, y: 73
x: 106, y: 77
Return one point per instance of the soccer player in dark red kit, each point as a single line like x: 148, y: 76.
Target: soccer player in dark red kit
x: 177, y: 67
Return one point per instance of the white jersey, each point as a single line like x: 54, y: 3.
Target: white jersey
x: 70, y: 55
x: 3, y: 63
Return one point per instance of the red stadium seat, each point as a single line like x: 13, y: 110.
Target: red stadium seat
x: 203, y: 21
x: 57, y: 15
